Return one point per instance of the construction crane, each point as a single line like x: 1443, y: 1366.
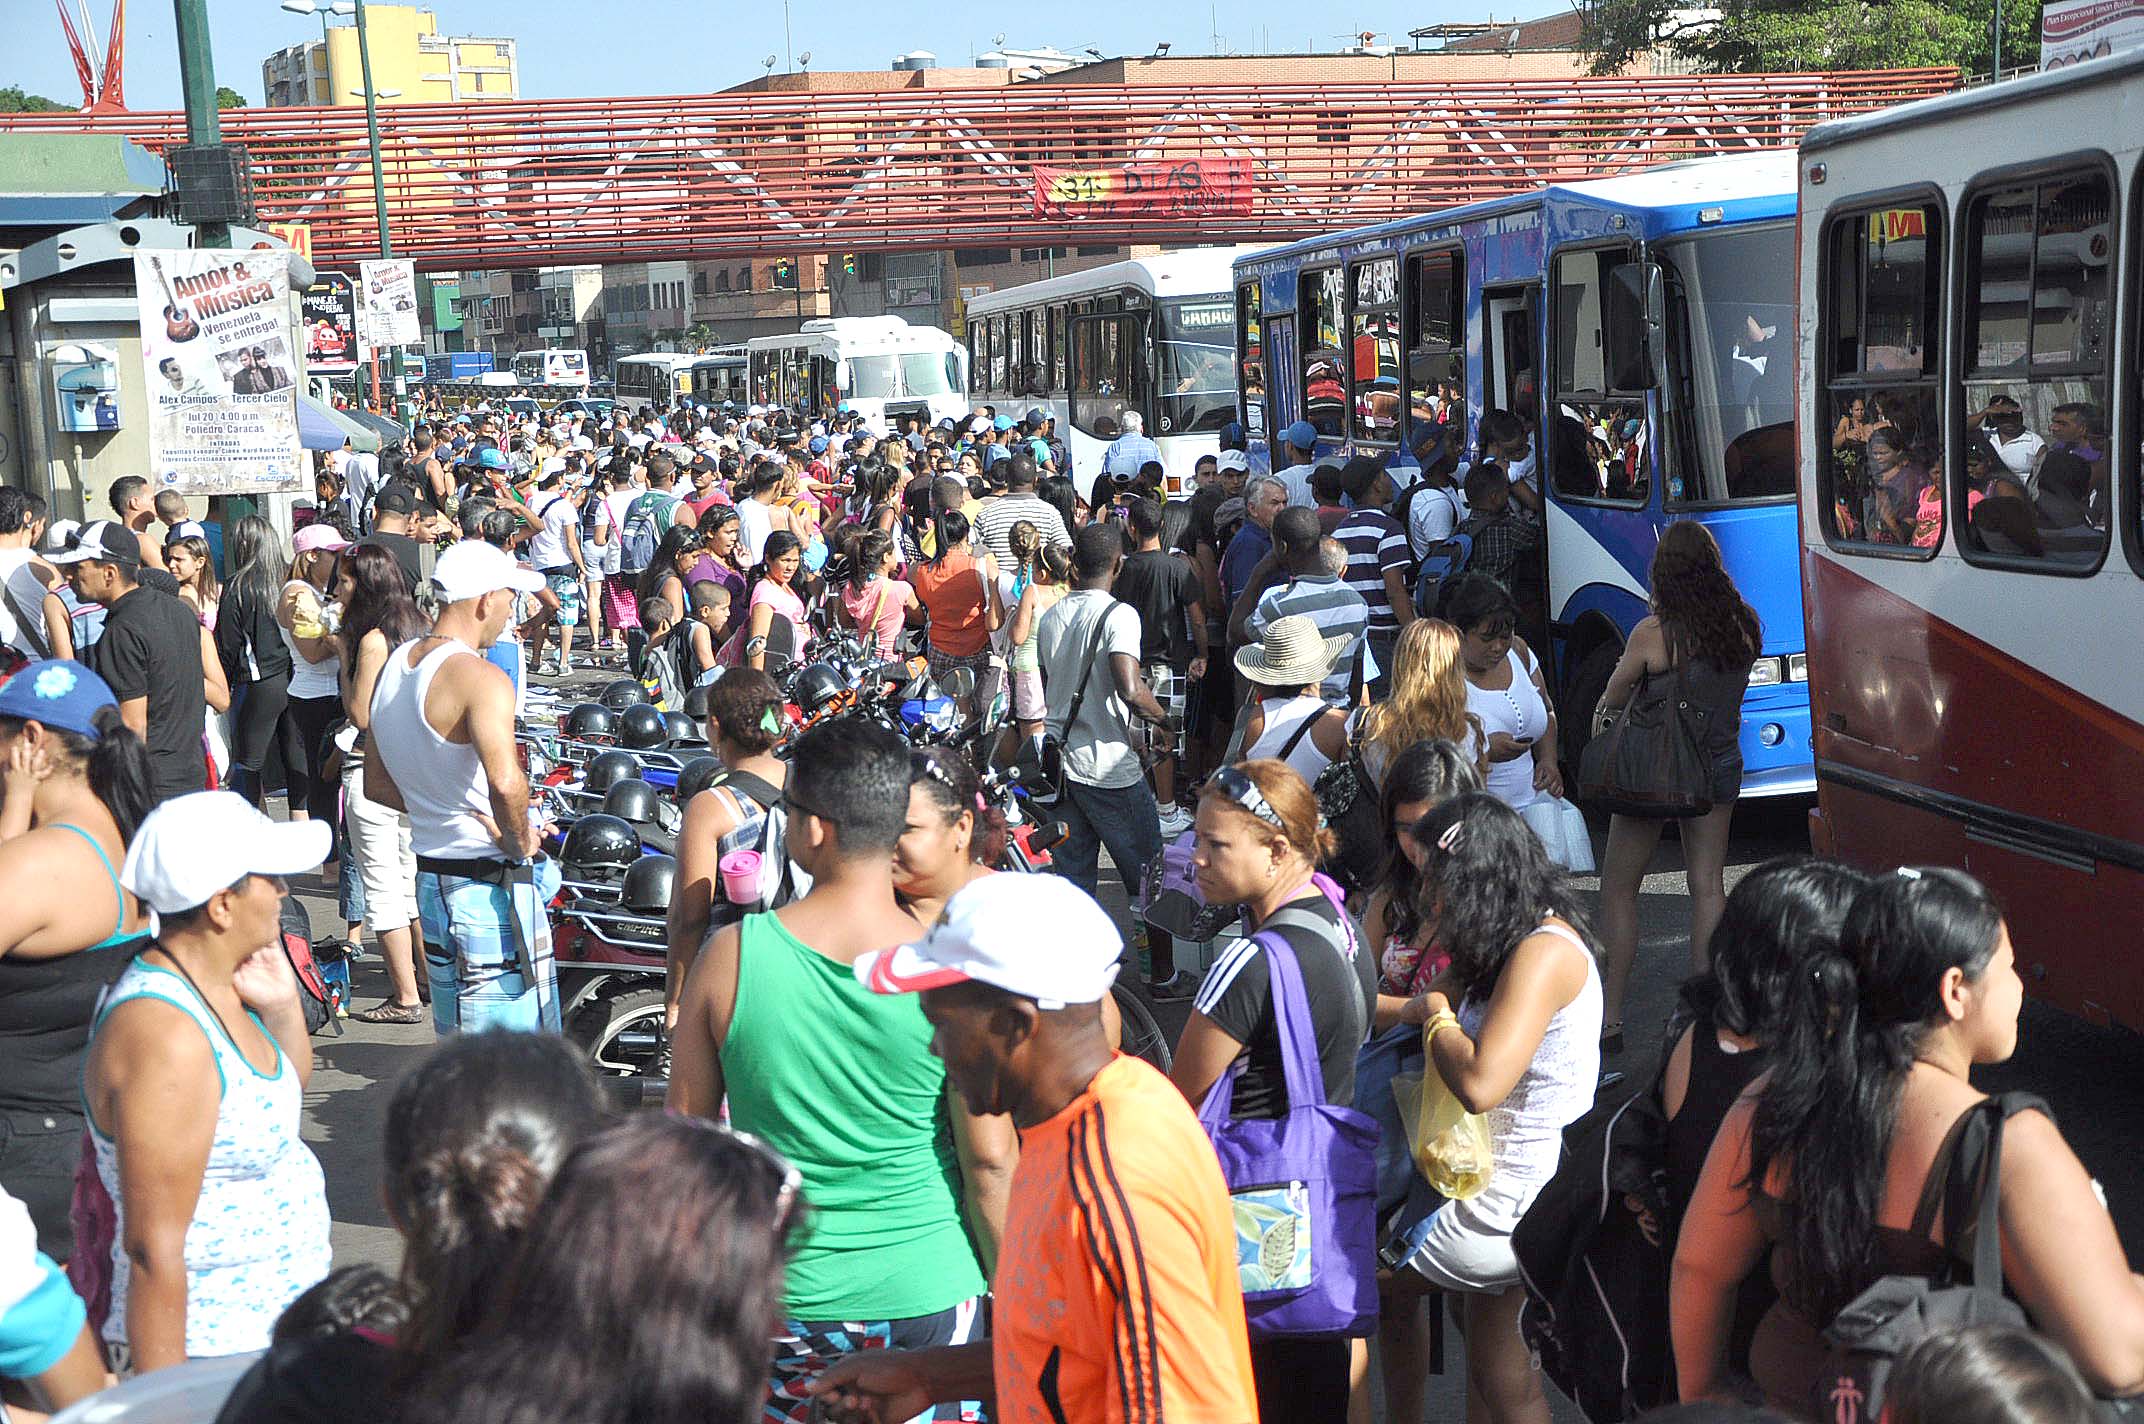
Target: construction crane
x: 99, y: 67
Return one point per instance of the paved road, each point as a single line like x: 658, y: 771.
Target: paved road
x: 2091, y: 1076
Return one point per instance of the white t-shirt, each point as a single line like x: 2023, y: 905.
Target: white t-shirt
x: 1098, y: 750
x: 754, y: 524
x: 1432, y: 515
x: 18, y: 573
x: 549, y: 548
x: 610, y: 522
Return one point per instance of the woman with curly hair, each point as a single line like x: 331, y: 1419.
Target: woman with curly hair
x: 1700, y: 624
x: 1427, y: 702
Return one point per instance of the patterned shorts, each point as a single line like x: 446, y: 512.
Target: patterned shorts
x: 565, y: 583
x: 1170, y: 690
x: 804, y: 1348
x: 473, y: 958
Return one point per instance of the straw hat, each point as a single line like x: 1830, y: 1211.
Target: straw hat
x: 1293, y: 653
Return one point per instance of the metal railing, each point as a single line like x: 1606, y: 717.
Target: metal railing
x: 527, y: 183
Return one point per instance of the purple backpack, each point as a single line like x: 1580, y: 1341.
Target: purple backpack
x: 1303, y: 1186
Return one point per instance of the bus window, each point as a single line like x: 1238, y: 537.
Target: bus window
x: 1734, y: 318
x: 1324, y: 368
x: 925, y: 373
x: 1436, y: 341
x: 1197, y: 385
x: 2039, y: 311
x: 978, y: 358
x: 1105, y: 353
x: 1879, y: 330
x: 1000, y: 356
x: 1016, y: 356
x: 1374, y: 351
x: 1057, y: 349
x: 825, y: 385
x: 1599, y: 443
x: 1251, y: 360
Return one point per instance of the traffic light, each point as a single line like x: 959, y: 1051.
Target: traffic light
x: 848, y: 264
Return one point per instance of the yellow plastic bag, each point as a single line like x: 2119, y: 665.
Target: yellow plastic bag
x: 1450, y: 1144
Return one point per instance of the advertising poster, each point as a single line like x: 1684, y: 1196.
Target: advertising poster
x: 221, y: 361
x: 2073, y: 31
x: 329, y: 307
x: 390, y: 297
x: 1177, y: 188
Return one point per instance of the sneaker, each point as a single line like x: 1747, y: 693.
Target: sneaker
x: 1174, y: 989
x: 1175, y: 820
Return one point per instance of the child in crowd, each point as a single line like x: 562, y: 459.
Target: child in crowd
x: 1499, y: 532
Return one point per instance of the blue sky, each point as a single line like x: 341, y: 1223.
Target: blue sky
x: 585, y: 47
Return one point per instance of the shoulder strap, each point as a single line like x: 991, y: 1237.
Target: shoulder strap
x: 33, y: 627
x: 1094, y: 646
x: 765, y: 792
x: 1292, y: 1023
x: 1966, y: 1177
x: 1295, y: 737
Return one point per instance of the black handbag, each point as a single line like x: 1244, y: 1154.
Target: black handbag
x: 1651, y: 761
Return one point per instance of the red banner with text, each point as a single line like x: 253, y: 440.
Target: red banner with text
x: 1188, y: 187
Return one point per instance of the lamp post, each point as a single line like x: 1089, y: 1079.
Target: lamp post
x: 322, y: 8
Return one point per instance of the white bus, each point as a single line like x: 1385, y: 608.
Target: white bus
x: 1155, y: 335
x: 879, y: 366
x: 659, y: 378
x: 718, y: 376
x: 551, y: 367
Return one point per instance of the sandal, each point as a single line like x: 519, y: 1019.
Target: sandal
x: 387, y: 1011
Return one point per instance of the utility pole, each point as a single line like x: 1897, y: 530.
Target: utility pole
x: 197, y: 84
x: 379, y: 202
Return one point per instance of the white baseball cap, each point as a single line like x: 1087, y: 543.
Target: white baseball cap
x: 473, y: 568
x: 1233, y: 460
x: 192, y: 846
x: 1038, y: 936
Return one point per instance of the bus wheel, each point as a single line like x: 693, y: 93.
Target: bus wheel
x: 1587, y: 685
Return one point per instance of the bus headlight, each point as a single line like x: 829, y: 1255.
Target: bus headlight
x: 1771, y: 734
x: 1797, y: 667
x: 1767, y: 672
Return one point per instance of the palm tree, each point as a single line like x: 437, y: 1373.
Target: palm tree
x: 700, y: 336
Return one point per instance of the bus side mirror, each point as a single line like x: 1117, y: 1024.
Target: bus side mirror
x: 1634, y: 320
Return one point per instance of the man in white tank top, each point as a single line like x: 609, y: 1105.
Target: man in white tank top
x: 443, y: 744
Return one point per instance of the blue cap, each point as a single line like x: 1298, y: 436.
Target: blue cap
x: 1302, y: 435
x: 489, y: 458
x: 818, y: 445
x: 843, y: 407
x: 1232, y: 435
x: 57, y: 693
x: 1037, y: 416
x: 1003, y: 422
x: 1428, y: 436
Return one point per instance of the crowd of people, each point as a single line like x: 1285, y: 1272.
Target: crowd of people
x: 905, y: 1172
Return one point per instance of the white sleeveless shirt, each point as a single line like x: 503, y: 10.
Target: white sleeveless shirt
x: 442, y: 783
x: 1557, y: 1088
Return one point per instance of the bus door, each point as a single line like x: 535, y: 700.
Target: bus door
x: 1511, y: 381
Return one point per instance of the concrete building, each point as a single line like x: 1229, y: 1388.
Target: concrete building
x: 646, y: 306
x: 410, y: 58
x: 737, y: 299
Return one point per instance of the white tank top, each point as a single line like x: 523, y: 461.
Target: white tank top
x: 442, y: 782
x: 311, y: 680
x: 1557, y: 1088
x: 1285, y: 716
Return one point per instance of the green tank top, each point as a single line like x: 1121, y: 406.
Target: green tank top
x: 841, y: 1081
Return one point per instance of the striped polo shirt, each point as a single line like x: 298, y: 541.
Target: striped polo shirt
x: 1338, y: 611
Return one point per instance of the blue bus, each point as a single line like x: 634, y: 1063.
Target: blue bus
x: 1641, y: 327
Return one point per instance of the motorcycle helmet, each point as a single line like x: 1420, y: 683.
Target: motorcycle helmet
x: 682, y: 729
x: 633, y: 802
x: 647, y: 884
x: 816, y: 686
x: 598, y: 848
x: 696, y: 776
x: 696, y: 701
x: 590, y: 720
x: 641, y: 727
x: 622, y: 693
x: 607, y: 769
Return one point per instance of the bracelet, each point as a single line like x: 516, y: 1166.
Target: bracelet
x: 1439, y: 1021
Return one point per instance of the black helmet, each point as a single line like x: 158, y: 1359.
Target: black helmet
x: 646, y: 887
x: 682, y: 728
x: 598, y: 848
x: 641, y: 726
x: 696, y: 776
x: 622, y: 693
x: 590, y: 719
x: 696, y: 701
x: 607, y: 769
x: 632, y: 801
x: 816, y: 686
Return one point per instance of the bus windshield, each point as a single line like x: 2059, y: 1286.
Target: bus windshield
x: 1736, y: 292
x: 1198, y: 365
x: 927, y: 373
x: 871, y: 377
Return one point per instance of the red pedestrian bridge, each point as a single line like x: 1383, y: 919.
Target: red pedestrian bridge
x: 541, y: 182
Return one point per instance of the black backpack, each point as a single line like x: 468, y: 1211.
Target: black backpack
x: 1593, y: 1251
x: 1877, y: 1328
x: 1348, y: 803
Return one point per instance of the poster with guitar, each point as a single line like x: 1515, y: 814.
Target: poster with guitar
x: 221, y: 362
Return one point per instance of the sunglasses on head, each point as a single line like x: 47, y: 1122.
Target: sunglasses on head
x: 1236, y: 784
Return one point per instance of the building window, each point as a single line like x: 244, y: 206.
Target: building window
x: 1099, y: 251
x: 722, y: 279
x: 870, y: 267
x: 981, y: 256
x: 1879, y: 329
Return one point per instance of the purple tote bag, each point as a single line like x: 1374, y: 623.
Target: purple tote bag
x: 1303, y: 1186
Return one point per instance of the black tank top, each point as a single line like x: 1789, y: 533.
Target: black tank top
x: 1717, y: 1078
x: 46, y: 1007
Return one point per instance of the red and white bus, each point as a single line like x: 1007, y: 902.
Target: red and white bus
x: 1973, y: 561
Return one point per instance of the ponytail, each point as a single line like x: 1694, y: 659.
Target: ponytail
x: 120, y: 772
